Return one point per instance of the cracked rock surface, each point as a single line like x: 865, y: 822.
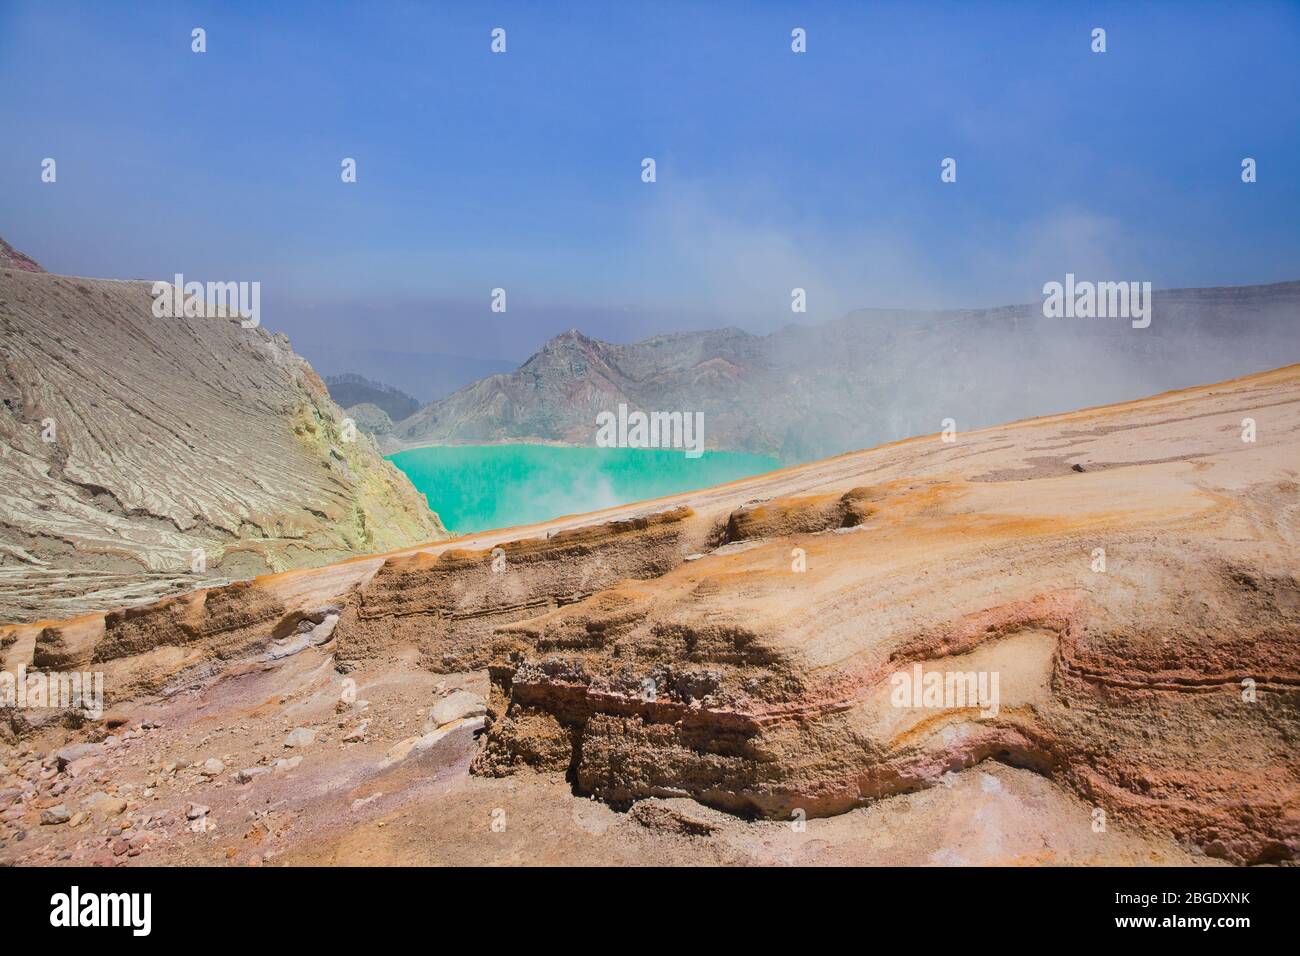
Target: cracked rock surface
x: 129, y: 441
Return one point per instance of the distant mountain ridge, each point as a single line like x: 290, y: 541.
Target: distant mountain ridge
x: 351, y: 389
x: 427, y: 376
x: 875, y: 375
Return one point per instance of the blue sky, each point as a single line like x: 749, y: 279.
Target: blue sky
x: 522, y: 170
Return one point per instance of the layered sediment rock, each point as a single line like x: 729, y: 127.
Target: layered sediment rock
x: 449, y: 604
x: 1113, y: 595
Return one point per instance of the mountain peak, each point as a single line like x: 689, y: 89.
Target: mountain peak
x: 572, y: 335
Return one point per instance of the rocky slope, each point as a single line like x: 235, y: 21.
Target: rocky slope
x: 11, y: 258
x: 371, y: 419
x: 873, y: 376
x: 127, y: 442
x: 703, y: 664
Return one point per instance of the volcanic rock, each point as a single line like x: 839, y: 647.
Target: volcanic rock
x: 969, y: 632
x: 454, y: 706
x: 300, y: 737
x: 146, y: 455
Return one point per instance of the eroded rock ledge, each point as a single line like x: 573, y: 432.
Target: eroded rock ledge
x: 738, y: 645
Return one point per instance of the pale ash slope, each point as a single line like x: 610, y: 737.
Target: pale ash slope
x: 1162, y: 692
x: 808, y: 391
x: 168, y: 435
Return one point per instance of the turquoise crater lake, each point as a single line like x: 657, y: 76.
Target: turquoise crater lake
x: 478, y: 487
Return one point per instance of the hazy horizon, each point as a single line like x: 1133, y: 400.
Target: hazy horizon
x: 522, y: 170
